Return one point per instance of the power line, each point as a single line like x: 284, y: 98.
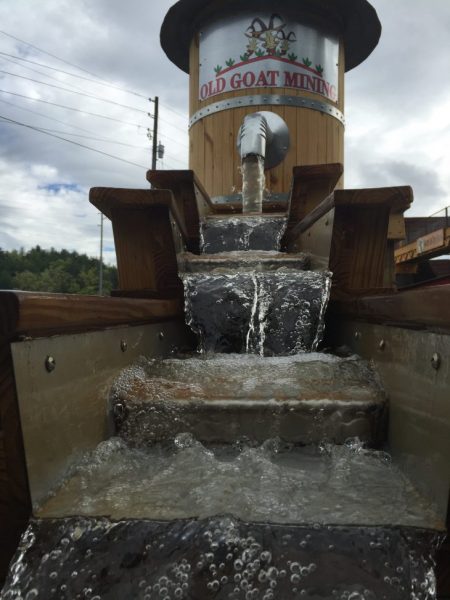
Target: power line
x: 172, y: 110
x: 49, y: 54
x: 33, y: 112
x: 58, y: 87
x: 105, y: 82
x: 178, y: 160
x: 166, y: 137
x: 73, y: 109
x: 88, y: 137
x: 71, y: 142
x: 108, y: 85
x: 39, y: 72
x: 172, y: 125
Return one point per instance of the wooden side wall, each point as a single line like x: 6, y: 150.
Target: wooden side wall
x: 316, y: 138
x: 24, y: 316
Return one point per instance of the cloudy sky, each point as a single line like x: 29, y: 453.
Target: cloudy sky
x: 397, y: 111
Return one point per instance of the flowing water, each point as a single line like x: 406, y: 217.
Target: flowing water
x: 242, y: 233
x: 273, y: 482
x: 266, y: 437
x: 253, y: 184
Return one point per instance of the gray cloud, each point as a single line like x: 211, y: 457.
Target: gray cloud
x: 397, y: 102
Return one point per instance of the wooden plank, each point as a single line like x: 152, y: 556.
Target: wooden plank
x: 33, y: 314
x: 433, y: 244
x: 15, y: 504
x: 420, y: 308
x: 397, y: 229
x: 310, y: 185
x: 109, y: 199
x: 398, y: 198
x: 144, y: 240
x: 190, y: 197
x: 362, y: 254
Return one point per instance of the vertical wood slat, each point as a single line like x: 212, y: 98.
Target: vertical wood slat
x: 190, y: 197
x: 358, y: 249
x: 15, y: 504
x: 311, y: 184
x: 361, y: 256
x: 144, y: 239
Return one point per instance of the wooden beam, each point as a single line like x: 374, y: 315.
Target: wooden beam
x: 15, y: 503
x: 420, y: 308
x: 32, y: 314
x: 436, y: 243
x: 310, y: 185
x: 361, y: 255
x: 144, y: 240
x: 191, y: 199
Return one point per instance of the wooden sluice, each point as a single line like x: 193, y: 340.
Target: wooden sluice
x: 59, y: 353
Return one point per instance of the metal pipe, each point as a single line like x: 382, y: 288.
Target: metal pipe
x: 263, y: 142
x: 253, y: 136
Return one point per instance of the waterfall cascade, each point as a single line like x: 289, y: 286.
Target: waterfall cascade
x: 252, y: 469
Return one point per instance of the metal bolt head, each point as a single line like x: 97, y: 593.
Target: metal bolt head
x: 123, y: 346
x: 161, y: 335
x: 382, y: 345
x: 436, y: 361
x: 357, y: 335
x: 50, y: 364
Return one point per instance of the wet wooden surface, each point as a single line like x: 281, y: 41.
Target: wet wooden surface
x: 34, y: 314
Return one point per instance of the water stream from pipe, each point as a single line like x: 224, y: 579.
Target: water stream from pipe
x: 253, y: 184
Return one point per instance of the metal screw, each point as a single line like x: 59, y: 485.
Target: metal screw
x: 123, y: 346
x: 382, y: 345
x: 357, y: 335
x: 161, y: 335
x: 436, y: 361
x: 50, y: 364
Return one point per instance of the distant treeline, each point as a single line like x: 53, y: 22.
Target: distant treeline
x: 58, y: 271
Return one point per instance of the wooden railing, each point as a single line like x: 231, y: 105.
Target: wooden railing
x: 355, y: 232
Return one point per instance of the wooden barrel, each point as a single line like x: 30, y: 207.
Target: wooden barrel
x: 286, y: 57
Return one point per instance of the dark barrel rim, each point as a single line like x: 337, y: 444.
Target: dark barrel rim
x: 360, y: 27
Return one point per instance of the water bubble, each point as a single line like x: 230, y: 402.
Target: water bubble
x: 295, y: 567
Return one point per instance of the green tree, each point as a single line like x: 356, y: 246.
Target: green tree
x: 53, y: 271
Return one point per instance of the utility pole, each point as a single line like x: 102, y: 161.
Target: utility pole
x: 100, y: 270
x: 155, y: 132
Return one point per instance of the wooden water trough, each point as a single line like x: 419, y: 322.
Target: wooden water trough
x: 60, y: 353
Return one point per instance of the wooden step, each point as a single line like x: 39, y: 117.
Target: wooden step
x: 302, y: 399
x: 242, y: 261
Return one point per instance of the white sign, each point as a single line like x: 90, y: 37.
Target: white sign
x: 264, y: 51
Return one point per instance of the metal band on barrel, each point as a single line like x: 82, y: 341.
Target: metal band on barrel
x: 269, y: 99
